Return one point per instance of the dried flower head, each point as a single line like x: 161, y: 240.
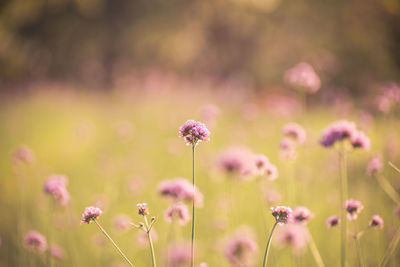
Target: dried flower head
x: 376, y: 221
x: 90, y: 214
x: 353, y: 208
x: 302, y: 215
x: 295, y: 131
x: 142, y: 209
x: 35, y: 241
x: 332, y: 221
x: 194, y: 132
x: 177, y: 211
x: 282, y: 214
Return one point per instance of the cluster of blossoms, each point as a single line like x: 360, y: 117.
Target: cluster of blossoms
x: 389, y: 97
x: 177, y: 211
x: 294, y: 134
x: 353, y: 208
x: 282, y: 214
x: 90, y: 214
x: 23, y: 154
x: 242, y: 163
x: 344, y: 130
x: 333, y: 221
x: 240, y: 249
x: 194, y: 132
x: 56, y: 185
x: 302, y: 215
x: 178, y: 254
x: 376, y: 221
x: 180, y: 189
x: 294, y: 235
x: 57, y: 252
x: 375, y: 165
x: 303, y: 77
x: 35, y: 241
x: 142, y: 209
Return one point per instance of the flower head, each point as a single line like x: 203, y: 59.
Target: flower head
x: 303, y: 77
x: 296, y: 236
x: 287, y: 149
x: 180, y: 189
x: 194, y: 132
x: 240, y: 249
x: 282, y: 214
x: 376, y: 221
x: 332, y: 221
x: 337, y: 131
x: 142, y: 209
x: 302, y: 215
x: 295, y: 131
x: 57, y: 252
x: 238, y: 162
x: 35, y: 241
x: 56, y: 185
x: 177, y: 211
x: 353, y: 208
x: 90, y: 214
x: 179, y: 254
x: 264, y: 167
x: 23, y: 154
x: 375, y: 165
x: 360, y: 140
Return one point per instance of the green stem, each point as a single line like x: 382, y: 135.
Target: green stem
x: 112, y: 241
x: 359, y: 254
x: 315, y: 252
x: 268, y: 245
x: 390, y: 249
x: 193, y: 212
x: 343, y: 197
x: 148, y: 230
x: 388, y: 188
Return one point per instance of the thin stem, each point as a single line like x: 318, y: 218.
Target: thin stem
x: 268, y: 245
x: 148, y: 228
x: 389, y: 251
x: 193, y: 211
x: 315, y: 252
x: 112, y: 241
x: 388, y: 188
x: 394, y: 166
x: 359, y: 254
x: 343, y: 197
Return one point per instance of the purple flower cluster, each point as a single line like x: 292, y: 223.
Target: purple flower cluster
x: 375, y: 165
x: 303, y: 77
x: 376, y: 221
x: 294, y: 131
x: 23, y: 154
x: 263, y: 167
x: 333, y: 221
x: 90, y: 214
x: 240, y: 249
x: 344, y: 130
x: 302, y: 215
x: 390, y: 96
x: 180, y: 189
x: 194, y: 132
x: 142, y: 209
x: 282, y: 214
x: 179, y: 254
x: 56, y: 185
x: 177, y: 211
x: 353, y: 208
x: 35, y: 241
x: 296, y: 236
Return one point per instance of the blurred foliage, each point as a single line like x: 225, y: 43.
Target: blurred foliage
x: 351, y: 43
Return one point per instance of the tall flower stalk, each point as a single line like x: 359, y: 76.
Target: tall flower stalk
x: 91, y: 214
x: 343, y: 197
x: 193, y: 132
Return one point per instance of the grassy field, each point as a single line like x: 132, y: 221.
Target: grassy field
x: 115, y: 149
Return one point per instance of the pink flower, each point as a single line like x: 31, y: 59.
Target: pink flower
x: 23, y: 154
x: 282, y: 214
x: 376, y: 221
x: 90, y: 214
x: 142, y: 209
x: 177, y: 211
x: 302, y: 215
x: 122, y: 222
x: 143, y: 239
x: 57, y: 252
x: 295, y: 131
x: 194, y: 132
x: 360, y: 140
x: 287, y: 149
x: 295, y: 236
x: 337, y: 131
x: 35, y: 241
x: 178, y: 254
x: 353, y: 208
x: 180, y: 189
x: 56, y: 185
x: 303, y: 77
x: 264, y: 167
x: 375, y: 165
x: 237, y: 161
x: 240, y: 249
x: 332, y: 221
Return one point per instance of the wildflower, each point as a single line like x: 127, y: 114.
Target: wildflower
x: 237, y: 161
x: 282, y: 214
x: 295, y: 236
x: 55, y: 185
x: 375, y: 165
x: 23, y: 154
x: 142, y: 209
x: 57, y: 252
x: 376, y: 221
x: 332, y: 221
x: 194, y: 132
x: 240, y: 249
x: 177, y: 211
x: 353, y: 208
x: 303, y: 77
x: 337, y: 131
x: 179, y: 254
x: 295, y: 131
x: 35, y: 241
x: 287, y: 149
x: 143, y: 239
x: 302, y: 215
x: 360, y: 140
x: 90, y: 214
x: 264, y: 167
x: 180, y: 189
x: 122, y: 222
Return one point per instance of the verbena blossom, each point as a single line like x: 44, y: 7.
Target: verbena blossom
x: 360, y: 140
x: 389, y: 96
x: 295, y: 131
x: 302, y: 215
x: 376, y: 221
x: 56, y: 185
x: 240, y: 249
x: 179, y: 254
x: 282, y: 214
x: 57, y: 252
x: 142, y: 209
x: 177, y: 211
x: 180, y: 189
x: 35, y: 241
x: 142, y: 238
x: 375, y: 165
x: 263, y: 167
x: 353, y: 208
x: 287, y: 149
x: 23, y: 154
x: 296, y: 236
x: 333, y: 221
x: 90, y: 214
x: 303, y: 77
x: 237, y: 162
x: 194, y: 132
